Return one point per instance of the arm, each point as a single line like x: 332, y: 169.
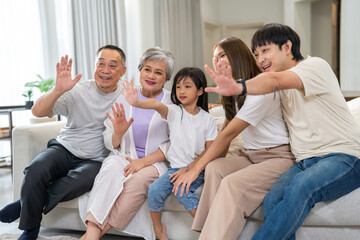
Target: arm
x: 261, y: 84
x: 137, y: 164
x: 131, y: 97
x: 235, y: 127
x: 44, y: 105
x: 119, y: 123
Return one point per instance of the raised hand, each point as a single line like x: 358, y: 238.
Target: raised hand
x: 64, y: 81
x: 120, y: 124
x: 130, y: 93
x: 226, y: 84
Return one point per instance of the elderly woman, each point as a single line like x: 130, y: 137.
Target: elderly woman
x: 134, y: 136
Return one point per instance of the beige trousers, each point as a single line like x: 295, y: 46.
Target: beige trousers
x: 235, y: 187
x: 130, y: 199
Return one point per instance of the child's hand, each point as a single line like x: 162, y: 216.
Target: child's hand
x: 177, y: 174
x: 119, y: 120
x: 131, y: 94
x: 134, y: 166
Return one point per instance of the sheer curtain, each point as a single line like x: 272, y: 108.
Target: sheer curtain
x: 178, y: 29
x: 96, y: 23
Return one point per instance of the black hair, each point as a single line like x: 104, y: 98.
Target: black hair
x: 278, y: 34
x: 116, y: 48
x: 199, y: 79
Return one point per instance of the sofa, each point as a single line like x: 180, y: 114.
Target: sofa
x: 339, y: 219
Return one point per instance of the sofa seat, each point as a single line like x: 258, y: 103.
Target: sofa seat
x: 335, y: 220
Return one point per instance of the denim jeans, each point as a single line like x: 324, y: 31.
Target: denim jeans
x: 309, y: 181
x: 162, y: 187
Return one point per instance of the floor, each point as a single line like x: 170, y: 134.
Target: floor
x: 12, y: 228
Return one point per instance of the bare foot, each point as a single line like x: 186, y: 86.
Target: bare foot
x: 163, y: 235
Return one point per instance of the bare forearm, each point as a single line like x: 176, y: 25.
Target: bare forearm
x: 116, y: 140
x: 153, y: 104
x: 44, y: 105
x: 157, y: 156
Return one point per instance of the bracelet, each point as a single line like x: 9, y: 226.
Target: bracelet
x: 242, y: 81
x: 186, y: 168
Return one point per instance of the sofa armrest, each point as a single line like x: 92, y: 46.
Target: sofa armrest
x: 28, y: 141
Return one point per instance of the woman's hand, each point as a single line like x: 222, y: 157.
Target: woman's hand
x: 64, y: 82
x: 134, y: 166
x: 177, y: 174
x: 184, y: 181
x: 131, y: 93
x: 120, y: 124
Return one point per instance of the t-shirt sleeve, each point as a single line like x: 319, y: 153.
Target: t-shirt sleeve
x: 313, y: 74
x: 211, y: 130
x: 172, y: 112
x: 62, y: 104
x: 256, y: 107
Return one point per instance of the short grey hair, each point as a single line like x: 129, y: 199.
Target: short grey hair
x: 158, y: 54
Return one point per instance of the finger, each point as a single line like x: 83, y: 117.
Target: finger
x: 129, y: 159
x: 109, y: 116
x: 215, y: 64
x: 188, y: 188
x: 211, y: 72
x: 113, y: 110
x: 122, y: 111
x: 211, y: 89
x: 131, y: 121
x: 175, y: 189
x: 78, y: 77
x: 68, y: 67
x: 118, y: 111
x: 182, y: 189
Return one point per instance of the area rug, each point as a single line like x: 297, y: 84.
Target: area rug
x: 16, y: 236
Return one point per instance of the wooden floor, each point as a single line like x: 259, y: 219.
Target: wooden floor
x: 12, y: 228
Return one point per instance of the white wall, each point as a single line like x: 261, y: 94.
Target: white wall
x: 349, y: 45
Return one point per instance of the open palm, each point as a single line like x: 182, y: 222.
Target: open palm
x: 64, y: 81
x: 130, y: 93
x: 119, y: 122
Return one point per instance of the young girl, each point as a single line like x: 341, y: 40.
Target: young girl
x: 192, y: 130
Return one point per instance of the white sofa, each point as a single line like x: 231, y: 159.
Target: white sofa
x: 339, y: 219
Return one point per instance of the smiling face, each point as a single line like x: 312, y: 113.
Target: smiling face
x: 270, y: 58
x: 219, y: 54
x: 108, y: 70
x: 153, y: 78
x: 187, y: 93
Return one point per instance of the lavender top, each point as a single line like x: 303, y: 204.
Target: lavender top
x: 140, y: 126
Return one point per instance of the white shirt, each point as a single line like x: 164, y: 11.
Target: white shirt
x: 188, y: 134
x: 267, y: 127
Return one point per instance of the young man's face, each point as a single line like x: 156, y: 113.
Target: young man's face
x: 270, y: 58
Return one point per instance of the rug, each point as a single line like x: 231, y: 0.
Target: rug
x: 16, y: 236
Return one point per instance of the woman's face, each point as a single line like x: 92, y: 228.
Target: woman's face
x: 219, y: 54
x: 153, y: 78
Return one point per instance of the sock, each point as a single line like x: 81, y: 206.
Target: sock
x: 10, y: 212
x: 31, y: 234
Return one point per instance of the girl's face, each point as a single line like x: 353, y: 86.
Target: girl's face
x: 219, y: 54
x: 153, y: 78
x: 186, y: 91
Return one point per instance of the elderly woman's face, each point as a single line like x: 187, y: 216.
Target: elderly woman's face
x: 153, y: 77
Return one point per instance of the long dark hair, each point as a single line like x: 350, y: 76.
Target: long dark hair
x: 199, y: 79
x: 243, y: 65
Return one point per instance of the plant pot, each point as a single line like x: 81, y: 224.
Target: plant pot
x: 29, y: 104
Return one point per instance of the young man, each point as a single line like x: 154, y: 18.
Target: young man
x: 323, y: 134
x: 67, y: 168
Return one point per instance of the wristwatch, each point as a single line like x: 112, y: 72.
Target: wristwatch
x: 242, y: 81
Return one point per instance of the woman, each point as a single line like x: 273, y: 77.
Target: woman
x: 235, y: 187
x: 135, y: 160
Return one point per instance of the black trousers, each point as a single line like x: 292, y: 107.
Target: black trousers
x: 54, y: 176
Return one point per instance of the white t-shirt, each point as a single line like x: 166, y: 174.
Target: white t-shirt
x: 188, y: 134
x: 267, y: 127
x: 318, y: 118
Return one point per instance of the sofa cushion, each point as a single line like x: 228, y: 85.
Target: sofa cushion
x: 236, y: 144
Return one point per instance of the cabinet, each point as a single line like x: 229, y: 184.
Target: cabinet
x: 6, y: 132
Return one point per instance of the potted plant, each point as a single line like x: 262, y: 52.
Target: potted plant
x: 43, y: 85
x: 28, y: 94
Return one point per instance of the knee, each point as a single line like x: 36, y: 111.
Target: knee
x: 140, y: 181
x: 212, y: 170
x: 156, y: 198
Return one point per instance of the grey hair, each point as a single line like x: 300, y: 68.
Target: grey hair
x: 158, y: 54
